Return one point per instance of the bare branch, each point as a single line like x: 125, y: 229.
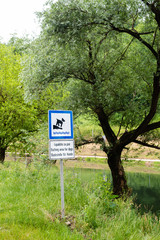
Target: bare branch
x: 146, y: 144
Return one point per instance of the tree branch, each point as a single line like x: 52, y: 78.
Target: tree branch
x: 137, y: 36
x: 120, y: 126
x: 155, y: 96
x: 103, y: 119
x: 145, y: 33
x: 101, y: 41
x: 146, y: 144
x: 16, y: 135
x: 151, y: 127
x: 83, y: 141
x: 120, y: 57
x: 154, y: 37
x: 154, y: 7
x: 129, y: 137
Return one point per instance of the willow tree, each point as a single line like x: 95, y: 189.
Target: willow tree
x: 110, y: 54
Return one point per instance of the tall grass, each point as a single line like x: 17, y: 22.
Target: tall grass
x: 30, y: 207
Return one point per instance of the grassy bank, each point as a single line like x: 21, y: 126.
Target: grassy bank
x: 30, y: 207
x: 101, y: 163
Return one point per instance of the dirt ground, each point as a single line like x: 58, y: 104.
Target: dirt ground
x: 132, y: 151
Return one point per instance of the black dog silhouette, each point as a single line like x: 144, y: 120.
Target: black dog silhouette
x: 59, y: 124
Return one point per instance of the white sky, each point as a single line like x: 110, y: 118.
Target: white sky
x: 18, y: 16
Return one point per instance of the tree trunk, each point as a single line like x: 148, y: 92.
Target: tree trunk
x: 2, y: 154
x: 120, y: 186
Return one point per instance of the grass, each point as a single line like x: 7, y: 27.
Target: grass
x: 141, y: 166
x: 29, y: 197
x: 129, y: 165
x: 87, y: 127
x: 30, y: 207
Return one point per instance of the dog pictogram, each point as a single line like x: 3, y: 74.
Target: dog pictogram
x: 59, y: 124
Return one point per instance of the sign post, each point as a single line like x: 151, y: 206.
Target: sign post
x: 61, y: 142
x: 62, y: 188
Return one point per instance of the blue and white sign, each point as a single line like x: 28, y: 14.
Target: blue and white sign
x: 60, y: 124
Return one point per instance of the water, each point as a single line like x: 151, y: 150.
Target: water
x: 145, y: 187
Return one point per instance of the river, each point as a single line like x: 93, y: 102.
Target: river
x: 145, y: 187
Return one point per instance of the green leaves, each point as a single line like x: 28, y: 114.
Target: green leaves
x: 16, y: 117
x: 79, y: 45
x: 100, y: 51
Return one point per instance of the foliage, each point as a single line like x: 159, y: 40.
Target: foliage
x: 56, y: 64
x: 92, y: 52
x: 20, y: 45
x: 17, y: 118
x: 21, y: 116
x: 86, y: 127
x: 89, y: 50
x: 36, y: 65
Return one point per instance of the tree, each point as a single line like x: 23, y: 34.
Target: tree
x: 94, y: 44
x: 19, y: 115
x: 20, y: 45
x: 17, y: 118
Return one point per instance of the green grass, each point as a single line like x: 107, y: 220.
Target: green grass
x: 87, y: 127
x: 30, y: 207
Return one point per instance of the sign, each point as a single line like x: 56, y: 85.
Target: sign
x: 61, y: 149
x: 60, y: 124
x: 61, y: 143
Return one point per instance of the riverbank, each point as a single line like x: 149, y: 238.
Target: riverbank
x: 31, y: 207
x: 132, y: 151
x: 91, y: 162
x: 96, y: 162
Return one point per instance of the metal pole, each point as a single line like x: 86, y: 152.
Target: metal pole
x: 62, y: 188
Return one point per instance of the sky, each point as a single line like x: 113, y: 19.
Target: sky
x: 18, y: 16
